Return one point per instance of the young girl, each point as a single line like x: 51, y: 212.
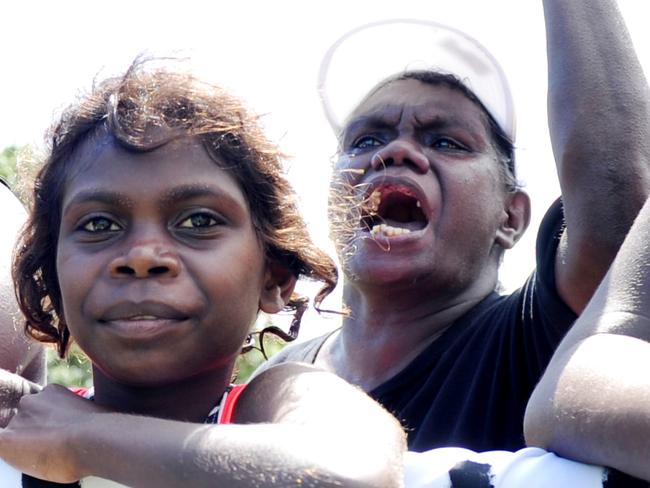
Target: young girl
x: 161, y: 227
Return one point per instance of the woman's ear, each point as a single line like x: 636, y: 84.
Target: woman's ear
x: 279, y: 283
x: 515, y: 221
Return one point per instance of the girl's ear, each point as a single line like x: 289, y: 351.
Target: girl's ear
x: 279, y: 283
x: 515, y: 221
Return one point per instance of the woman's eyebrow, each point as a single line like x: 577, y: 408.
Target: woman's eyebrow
x: 366, y: 122
x: 445, y: 121
x: 475, y: 131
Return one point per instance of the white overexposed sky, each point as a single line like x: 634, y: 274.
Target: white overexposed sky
x: 269, y: 53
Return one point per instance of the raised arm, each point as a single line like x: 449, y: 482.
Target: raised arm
x: 308, y: 428
x: 599, y: 120
x: 593, y: 402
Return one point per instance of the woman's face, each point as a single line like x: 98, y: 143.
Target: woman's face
x: 160, y: 268
x: 422, y: 156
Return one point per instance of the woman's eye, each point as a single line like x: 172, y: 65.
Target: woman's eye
x: 365, y: 142
x: 447, y: 144
x: 198, y: 220
x: 100, y: 224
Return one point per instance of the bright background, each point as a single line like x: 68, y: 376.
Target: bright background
x: 269, y: 52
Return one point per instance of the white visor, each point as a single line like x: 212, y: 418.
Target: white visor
x: 363, y: 57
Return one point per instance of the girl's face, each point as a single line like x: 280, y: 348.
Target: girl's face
x: 160, y: 268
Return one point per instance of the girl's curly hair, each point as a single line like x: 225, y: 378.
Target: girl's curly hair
x: 147, y: 107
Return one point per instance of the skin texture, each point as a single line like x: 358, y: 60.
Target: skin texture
x: 17, y: 354
x: 160, y: 284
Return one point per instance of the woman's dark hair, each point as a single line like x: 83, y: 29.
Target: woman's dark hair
x: 149, y: 106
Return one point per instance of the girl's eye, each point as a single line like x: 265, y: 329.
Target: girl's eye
x: 198, y: 221
x: 364, y: 142
x: 100, y: 224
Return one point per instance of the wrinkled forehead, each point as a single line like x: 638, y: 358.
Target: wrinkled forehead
x: 419, y: 102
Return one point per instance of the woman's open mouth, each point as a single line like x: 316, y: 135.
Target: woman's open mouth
x: 392, y: 210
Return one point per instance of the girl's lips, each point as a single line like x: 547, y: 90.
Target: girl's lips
x: 142, y: 320
x: 142, y: 311
x: 143, y: 327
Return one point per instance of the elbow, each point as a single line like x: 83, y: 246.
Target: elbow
x: 388, y: 474
x: 377, y: 461
x: 391, y: 476
x: 379, y: 468
x: 538, y: 424
x: 542, y: 422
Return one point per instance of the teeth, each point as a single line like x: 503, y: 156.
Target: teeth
x: 418, y: 204
x: 373, y: 201
x: 388, y: 230
x: 144, y: 317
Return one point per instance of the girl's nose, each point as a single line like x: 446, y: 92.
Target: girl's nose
x: 145, y: 261
x: 400, y: 152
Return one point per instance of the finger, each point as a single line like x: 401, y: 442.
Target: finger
x: 12, y: 389
x: 10, y: 380
x: 6, y: 414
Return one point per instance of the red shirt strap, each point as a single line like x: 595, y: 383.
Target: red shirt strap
x: 228, y: 411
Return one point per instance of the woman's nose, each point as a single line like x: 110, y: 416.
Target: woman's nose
x: 400, y: 152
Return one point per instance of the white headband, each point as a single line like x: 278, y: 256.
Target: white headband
x: 368, y: 54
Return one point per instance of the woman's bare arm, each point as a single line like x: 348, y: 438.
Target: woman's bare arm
x: 593, y: 402
x: 599, y: 121
x: 301, y: 427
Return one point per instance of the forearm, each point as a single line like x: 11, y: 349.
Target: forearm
x: 144, y: 452
x: 599, y: 121
x: 301, y: 427
x: 297, y: 426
